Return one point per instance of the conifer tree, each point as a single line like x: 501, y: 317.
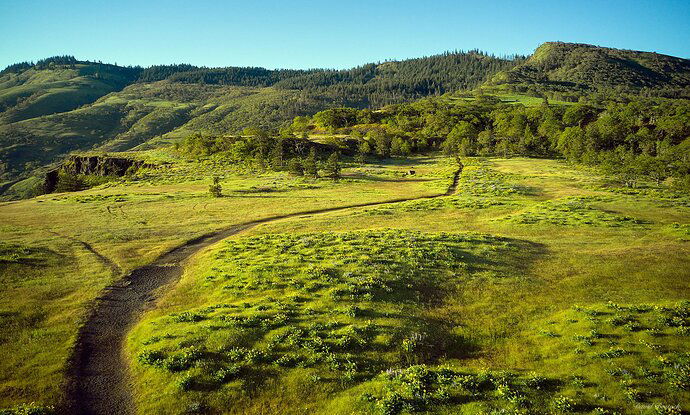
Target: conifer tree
x: 332, y: 166
x: 295, y: 166
x: 310, y: 164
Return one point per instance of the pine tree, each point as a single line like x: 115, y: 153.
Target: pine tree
x: 310, y: 167
x: 68, y: 182
x: 332, y: 166
x: 295, y: 166
x: 277, y: 163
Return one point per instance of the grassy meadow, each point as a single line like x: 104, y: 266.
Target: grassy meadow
x: 59, y: 251
x: 538, y: 287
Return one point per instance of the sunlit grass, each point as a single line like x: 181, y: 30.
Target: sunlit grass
x: 131, y: 222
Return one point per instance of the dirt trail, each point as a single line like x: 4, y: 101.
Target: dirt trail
x: 98, y: 379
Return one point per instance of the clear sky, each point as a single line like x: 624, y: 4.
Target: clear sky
x: 334, y: 34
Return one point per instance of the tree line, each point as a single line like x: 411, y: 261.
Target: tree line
x: 636, y: 138
x: 264, y: 150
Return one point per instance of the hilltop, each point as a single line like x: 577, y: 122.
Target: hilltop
x: 577, y: 68
x: 60, y: 105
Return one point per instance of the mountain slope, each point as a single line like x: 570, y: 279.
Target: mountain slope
x: 574, y: 67
x: 61, y: 105
x: 51, y: 87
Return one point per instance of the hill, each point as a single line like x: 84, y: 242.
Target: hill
x: 57, y: 84
x: 581, y: 69
x: 61, y: 105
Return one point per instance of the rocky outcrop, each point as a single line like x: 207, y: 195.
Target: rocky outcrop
x: 93, y: 166
x: 100, y: 165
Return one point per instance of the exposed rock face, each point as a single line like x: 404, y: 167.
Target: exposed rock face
x: 100, y: 165
x: 92, y: 165
x: 50, y: 182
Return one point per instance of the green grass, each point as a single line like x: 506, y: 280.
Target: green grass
x: 337, y: 307
x: 35, y: 93
x: 132, y: 221
x: 143, y: 116
x: 512, y: 321
x: 478, y: 302
x: 506, y: 97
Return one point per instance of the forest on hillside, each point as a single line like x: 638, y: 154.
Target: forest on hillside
x: 642, y: 139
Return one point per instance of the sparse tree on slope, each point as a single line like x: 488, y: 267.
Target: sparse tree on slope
x: 332, y: 166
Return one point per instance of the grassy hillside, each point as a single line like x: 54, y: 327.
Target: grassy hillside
x: 40, y: 118
x: 61, y: 105
x: 581, y: 68
x: 55, y: 88
x: 163, y: 112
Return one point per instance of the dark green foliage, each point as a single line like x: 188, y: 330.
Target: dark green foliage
x: 277, y: 155
x: 160, y: 72
x: 68, y: 182
x: 30, y: 409
x: 215, y: 188
x: 393, y: 82
x: 17, y: 67
x: 255, y: 77
x: 424, y: 389
x: 645, y: 139
x: 332, y: 166
x: 310, y: 165
x: 295, y: 167
x: 336, y: 118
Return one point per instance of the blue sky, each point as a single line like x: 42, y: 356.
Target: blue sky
x: 339, y: 34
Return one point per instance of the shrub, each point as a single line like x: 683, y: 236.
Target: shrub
x: 185, y: 383
x: 188, y: 317
x: 152, y: 358
x: 295, y: 167
x: 227, y: 374
x: 332, y: 166
x: 215, y: 188
x: 614, y: 353
x: 537, y: 382
x: 353, y: 311
x: 660, y: 409
x: 182, y: 361
x: 255, y: 356
x: 29, y: 409
x: 310, y: 164
x: 287, y: 360
x: 563, y: 404
x: 392, y: 404
x: 196, y: 408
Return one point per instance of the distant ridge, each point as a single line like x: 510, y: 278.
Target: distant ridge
x: 61, y: 104
x: 577, y: 67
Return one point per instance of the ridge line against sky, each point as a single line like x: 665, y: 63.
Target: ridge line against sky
x: 308, y: 34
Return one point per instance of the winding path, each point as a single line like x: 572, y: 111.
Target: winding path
x: 98, y: 378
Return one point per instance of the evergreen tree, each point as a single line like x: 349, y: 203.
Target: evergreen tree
x: 68, y: 182
x: 295, y: 166
x: 332, y: 166
x: 310, y: 164
x: 277, y: 162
